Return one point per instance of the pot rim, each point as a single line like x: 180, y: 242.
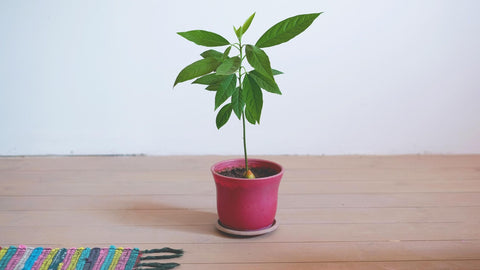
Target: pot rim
x: 212, y: 168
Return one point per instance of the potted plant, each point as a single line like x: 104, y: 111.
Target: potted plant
x: 247, y: 189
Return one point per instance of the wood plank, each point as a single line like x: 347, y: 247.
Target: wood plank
x: 331, y: 252
x: 334, y: 252
x: 169, y: 187
x: 165, y: 163
x: 208, y: 234
x: 196, y: 201
x: 398, y: 265
x: 170, y: 216
x: 121, y: 175
x: 347, y: 168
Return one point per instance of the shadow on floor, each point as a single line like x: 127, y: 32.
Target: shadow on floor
x: 147, y: 213
x: 156, y: 214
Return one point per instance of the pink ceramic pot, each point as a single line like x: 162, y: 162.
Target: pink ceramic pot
x: 247, y: 204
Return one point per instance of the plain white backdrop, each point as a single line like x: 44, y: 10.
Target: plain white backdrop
x: 368, y: 77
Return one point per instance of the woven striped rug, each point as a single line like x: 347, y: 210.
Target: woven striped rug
x: 112, y: 258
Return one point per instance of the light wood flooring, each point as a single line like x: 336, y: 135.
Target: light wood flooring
x: 335, y: 212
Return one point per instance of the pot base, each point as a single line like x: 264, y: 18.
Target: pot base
x: 231, y: 231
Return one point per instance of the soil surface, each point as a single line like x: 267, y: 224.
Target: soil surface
x: 239, y: 172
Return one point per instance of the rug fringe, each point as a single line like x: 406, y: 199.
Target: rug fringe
x: 175, y: 254
x: 144, y: 264
x: 156, y: 266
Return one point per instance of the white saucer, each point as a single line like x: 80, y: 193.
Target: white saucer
x: 227, y: 230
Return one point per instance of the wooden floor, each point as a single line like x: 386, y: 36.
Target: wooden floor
x: 346, y: 212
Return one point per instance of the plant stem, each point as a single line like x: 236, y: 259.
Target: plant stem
x: 243, y: 111
x: 244, y: 142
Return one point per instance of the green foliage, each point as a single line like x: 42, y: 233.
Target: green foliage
x: 210, y: 79
x: 228, y: 76
x: 216, y: 69
x: 238, y: 103
x: 265, y: 82
x: 286, y: 30
x: 229, y: 66
x: 259, y: 60
x: 213, y: 54
x: 226, y: 89
x: 197, y: 69
x: 252, y: 95
x: 223, y: 115
x: 204, y: 38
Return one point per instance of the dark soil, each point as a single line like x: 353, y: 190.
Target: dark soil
x: 239, y: 172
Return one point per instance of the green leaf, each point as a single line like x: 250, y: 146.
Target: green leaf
x: 237, y: 103
x: 247, y: 23
x: 212, y: 53
x: 227, y: 87
x: 197, y: 69
x: 267, y: 83
x: 229, y: 66
x: 252, y: 95
x: 204, y: 38
x: 259, y: 60
x: 238, y: 32
x: 276, y: 72
x: 223, y: 115
x: 213, y: 87
x: 250, y: 117
x: 286, y: 30
x: 210, y: 79
x: 227, y: 51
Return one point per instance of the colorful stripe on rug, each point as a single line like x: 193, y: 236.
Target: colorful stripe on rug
x: 112, y: 258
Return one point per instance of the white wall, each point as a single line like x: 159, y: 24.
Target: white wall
x: 369, y: 77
